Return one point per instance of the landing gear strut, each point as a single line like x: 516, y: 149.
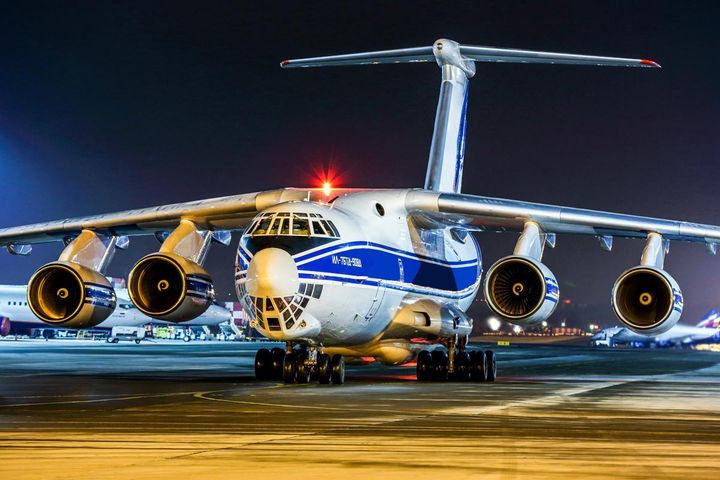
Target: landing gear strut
x: 458, y: 364
x: 299, y: 365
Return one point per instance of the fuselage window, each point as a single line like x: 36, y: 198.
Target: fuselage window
x: 285, y: 226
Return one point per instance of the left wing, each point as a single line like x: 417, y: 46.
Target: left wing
x: 497, y: 214
x: 222, y: 213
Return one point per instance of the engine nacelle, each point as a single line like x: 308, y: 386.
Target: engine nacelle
x: 67, y: 294
x: 170, y: 287
x: 647, y: 300
x: 521, y: 290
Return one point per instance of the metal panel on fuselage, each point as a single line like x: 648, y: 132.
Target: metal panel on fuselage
x: 381, y: 262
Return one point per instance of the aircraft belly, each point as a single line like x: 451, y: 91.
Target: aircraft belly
x: 345, y: 314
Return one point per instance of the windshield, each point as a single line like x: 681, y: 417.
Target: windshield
x: 293, y: 232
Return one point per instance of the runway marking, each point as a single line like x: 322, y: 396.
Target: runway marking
x: 98, y: 400
x: 203, y: 396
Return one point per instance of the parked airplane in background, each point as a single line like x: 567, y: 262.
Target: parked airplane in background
x: 707, y: 330
x: 16, y: 315
x: 366, y: 272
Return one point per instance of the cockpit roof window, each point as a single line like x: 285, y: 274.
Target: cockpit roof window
x: 292, y: 224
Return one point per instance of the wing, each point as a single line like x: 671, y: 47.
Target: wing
x: 222, y: 213
x: 497, y: 214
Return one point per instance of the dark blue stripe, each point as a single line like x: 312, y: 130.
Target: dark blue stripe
x: 100, y: 293
x: 376, y: 283
x: 460, y: 156
x: 337, y: 246
x: 384, y: 265
x: 101, y: 303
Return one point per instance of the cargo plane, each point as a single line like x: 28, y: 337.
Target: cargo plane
x: 382, y: 273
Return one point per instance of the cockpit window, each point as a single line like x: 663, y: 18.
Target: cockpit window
x: 300, y: 226
x: 291, y: 231
x: 262, y: 226
x: 318, y: 228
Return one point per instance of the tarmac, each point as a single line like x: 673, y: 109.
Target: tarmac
x: 89, y: 410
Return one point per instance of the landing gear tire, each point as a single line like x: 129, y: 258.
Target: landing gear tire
x: 440, y: 365
x: 262, y: 364
x: 289, y: 368
x: 304, y: 371
x: 478, y: 367
x: 277, y: 359
x: 463, y: 366
x: 323, y: 368
x: 424, y: 366
x: 137, y: 341
x: 337, y: 369
x: 491, y: 363
x: 186, y: 339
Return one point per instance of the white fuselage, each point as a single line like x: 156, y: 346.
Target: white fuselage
x: 342, y: 276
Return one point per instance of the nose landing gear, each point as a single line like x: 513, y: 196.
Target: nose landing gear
x: 299, y: 365
x: 457, y: 365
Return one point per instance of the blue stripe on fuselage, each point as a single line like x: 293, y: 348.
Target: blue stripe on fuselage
x: 368, y: 262
x: 403, y: 287
x: 383, y: 263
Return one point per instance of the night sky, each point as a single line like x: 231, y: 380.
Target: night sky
x: 107, y: 106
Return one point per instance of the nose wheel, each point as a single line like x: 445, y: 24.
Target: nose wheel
x: 299, y: 365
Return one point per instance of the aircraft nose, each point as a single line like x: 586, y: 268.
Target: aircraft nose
x: 272, y: 273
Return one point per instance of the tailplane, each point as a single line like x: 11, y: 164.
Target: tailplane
x: 457, y: 62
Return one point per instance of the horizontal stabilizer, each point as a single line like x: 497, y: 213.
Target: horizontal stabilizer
x: 403, y: 55
x: 490, y: 54
x: 468, y: 53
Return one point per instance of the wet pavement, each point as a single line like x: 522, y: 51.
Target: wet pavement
x: 89, y: 410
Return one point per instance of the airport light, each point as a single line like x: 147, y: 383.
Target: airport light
x: 563, y: 324
x: 517, y: 329
x: 494, y: 324
x: 544, y: 323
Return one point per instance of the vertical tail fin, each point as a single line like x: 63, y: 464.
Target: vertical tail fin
x: 457, y: 62
x: 710, y: 320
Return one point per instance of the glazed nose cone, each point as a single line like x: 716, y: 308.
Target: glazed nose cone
x: 272, y: 273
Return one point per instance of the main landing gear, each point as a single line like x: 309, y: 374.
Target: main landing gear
x: 457, y: 365
x: 299, y: 365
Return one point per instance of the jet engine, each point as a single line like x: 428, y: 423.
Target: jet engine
x: 169, y: 287
x: 70, y: 295
x: 647, y: 300
x: 521, y: 290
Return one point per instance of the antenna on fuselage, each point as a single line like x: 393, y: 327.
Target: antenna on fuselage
x: 457, y: 62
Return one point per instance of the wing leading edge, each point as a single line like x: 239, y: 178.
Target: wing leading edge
x: 497, y: 214
x: 223, y: 213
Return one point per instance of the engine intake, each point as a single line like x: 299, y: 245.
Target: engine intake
x: 170, y: 287
x: 647, y: 300
x: 520, y: 289
x: 70, y: 295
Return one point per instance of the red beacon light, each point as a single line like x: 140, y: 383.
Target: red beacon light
x: 327, y: 188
